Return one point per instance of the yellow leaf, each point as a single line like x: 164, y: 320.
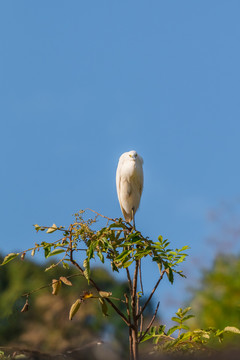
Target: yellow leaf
x: 25, y: 307
x: 51, y: 229
x: 74, y: 308
x: 65, y: 281
x: 87, y: 295
x: 105, y: 294
x: 56, y: 285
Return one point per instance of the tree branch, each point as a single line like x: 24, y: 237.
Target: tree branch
x: 129, y: 328
x: 141, y: 323
x: 134, y: 292
x: 129, y: 280
x: 98, y: 289
x: 151, y: 295
x: 140, y: 276
x: 150, y: 324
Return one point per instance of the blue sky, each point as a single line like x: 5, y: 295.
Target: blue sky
x: 82, y: 82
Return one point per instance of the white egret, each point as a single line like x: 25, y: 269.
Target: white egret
x: 129, y: 181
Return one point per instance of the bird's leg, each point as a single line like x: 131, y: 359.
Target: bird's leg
x: 139, y: 261
x: 133, y: 217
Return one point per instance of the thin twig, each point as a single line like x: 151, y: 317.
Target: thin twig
x: 48, y: 285
x: 129, y: 280
x: 98, y: 289
x: 103, y: 216
x: 153, y: 291
x: 150, y: 324
x: 134, y: 289
x: 140, y: 277
x: 141, y: 323
x: 137, y: 304
x: 129, y: 328
x: 110, y: 219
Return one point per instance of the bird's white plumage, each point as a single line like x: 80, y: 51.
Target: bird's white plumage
x: 129, y: 181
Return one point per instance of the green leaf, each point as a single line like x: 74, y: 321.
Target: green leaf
x: 184, y: 311
x: 188, y: 317
x: 90, y: 250
x: 176, y: 319
x: 47, y: 250
x: 117, y: 225
x: 169, y: 273
x: 161, y: 329
x: 65, y: 265
x: 153, y: 330
x: 114, y: 267
x: 9, y: 257
x: 123, y: 255
x: 56, y: 252
x: 179, y: 312
x: 147, y: 337
x: 172, y: 329
x: 185, y: 248
x: 181, y: 259
x: 103, y: 306
x: 185, y: 327
x: 100, y: 255
x: 127, y: 264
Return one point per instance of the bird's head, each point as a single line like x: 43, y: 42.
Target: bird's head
x: 133, y: 154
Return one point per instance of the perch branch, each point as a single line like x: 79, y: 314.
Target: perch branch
x: 150, y: 324
x: 151, y: 295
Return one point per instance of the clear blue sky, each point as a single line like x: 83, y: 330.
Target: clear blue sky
x: 82, y: 82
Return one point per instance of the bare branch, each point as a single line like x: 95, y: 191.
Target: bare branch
x: 98, y: 289
x: 151, y: 295
x: 129, y: 328
x: 134, y: 291
x: 129, y: 280
x: 48, y: 285
x: 141, y: 323
x: 105, y: 217
x: 140, y: 276
x: 150, y: 324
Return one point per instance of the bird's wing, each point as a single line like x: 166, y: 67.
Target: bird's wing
x: 118, y: 177
x: 140, y: 177
x: 123, y: 186
x: 120, y: 182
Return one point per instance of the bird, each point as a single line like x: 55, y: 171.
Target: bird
x: 129, y: 182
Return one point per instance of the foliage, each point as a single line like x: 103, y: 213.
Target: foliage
x: 3, y: 356
x: 118, y: 243
x: 187, y: 340
x: 124, y: 248
x: 46, y: 321
x: 217, y: 301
